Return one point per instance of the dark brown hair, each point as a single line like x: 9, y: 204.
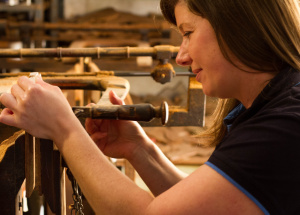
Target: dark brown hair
x: 262, y: 34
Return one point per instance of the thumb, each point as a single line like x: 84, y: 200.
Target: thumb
x: 115, y: 99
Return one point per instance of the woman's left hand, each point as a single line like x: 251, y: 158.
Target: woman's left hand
x: 37, y: 107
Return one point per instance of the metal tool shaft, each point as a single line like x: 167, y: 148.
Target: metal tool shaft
x: 138, y: 112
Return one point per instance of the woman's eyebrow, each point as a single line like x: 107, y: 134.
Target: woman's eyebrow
x: 182, y: 25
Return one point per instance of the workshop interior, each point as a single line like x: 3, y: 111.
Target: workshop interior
x: 88, y: 48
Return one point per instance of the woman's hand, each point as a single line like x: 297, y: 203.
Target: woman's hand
x: 116, y: 138
x: 37, y: 107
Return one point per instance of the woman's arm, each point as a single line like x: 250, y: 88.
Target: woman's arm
x: 106, y: 188
x: 156, y: 170
x: 111, y: 192
x: 42, y: 110
x: 126, y: 139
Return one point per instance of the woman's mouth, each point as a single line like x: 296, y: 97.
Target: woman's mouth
x: 196, y: 71
x: 198, y: 74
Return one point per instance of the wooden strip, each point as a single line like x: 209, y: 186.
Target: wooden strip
x: 158, y: 52
x: 63, y: 190
x: 9, y: 142
x: 38, y: 177
x: 29, y: 164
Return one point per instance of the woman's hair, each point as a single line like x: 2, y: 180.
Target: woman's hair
x: 262, y: 34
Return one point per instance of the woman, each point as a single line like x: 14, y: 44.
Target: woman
x: 244, y: 51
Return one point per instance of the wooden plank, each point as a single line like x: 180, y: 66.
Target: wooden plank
x: 38, y: 177
x: 51, y: 175
x: 11, y: 169
x: 63, y: 190
x: 29, y: 164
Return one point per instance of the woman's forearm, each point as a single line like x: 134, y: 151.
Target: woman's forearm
x: 102, y: 183
x: 156, y: 170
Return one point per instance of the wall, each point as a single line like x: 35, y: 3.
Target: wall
x: 139, y: 7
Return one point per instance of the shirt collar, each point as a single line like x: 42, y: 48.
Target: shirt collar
x: 228, y: 120
x: 286, y: 78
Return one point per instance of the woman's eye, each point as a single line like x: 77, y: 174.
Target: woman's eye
x: 187, y: 34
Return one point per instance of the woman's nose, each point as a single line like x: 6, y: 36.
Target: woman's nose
x: 183, y: 57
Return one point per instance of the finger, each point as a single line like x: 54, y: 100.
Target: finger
x: 90, y: 104
x: 90, y: 126
x: 7, y: 111
x: 25, y: 83
x: 7, y: 117
x: 115, y: 99
x: 8, y: 100
x: 98, y: 136
x: 17, y: 92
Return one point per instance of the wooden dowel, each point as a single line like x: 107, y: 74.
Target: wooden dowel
x: 157, y: 52
x: 85, y: 26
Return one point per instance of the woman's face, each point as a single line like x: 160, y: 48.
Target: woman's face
x: 201, y: 51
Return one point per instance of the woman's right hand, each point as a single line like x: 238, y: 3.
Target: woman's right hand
x: 116, y: 138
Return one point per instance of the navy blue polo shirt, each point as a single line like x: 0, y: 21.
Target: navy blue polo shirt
x: 260, y: 154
